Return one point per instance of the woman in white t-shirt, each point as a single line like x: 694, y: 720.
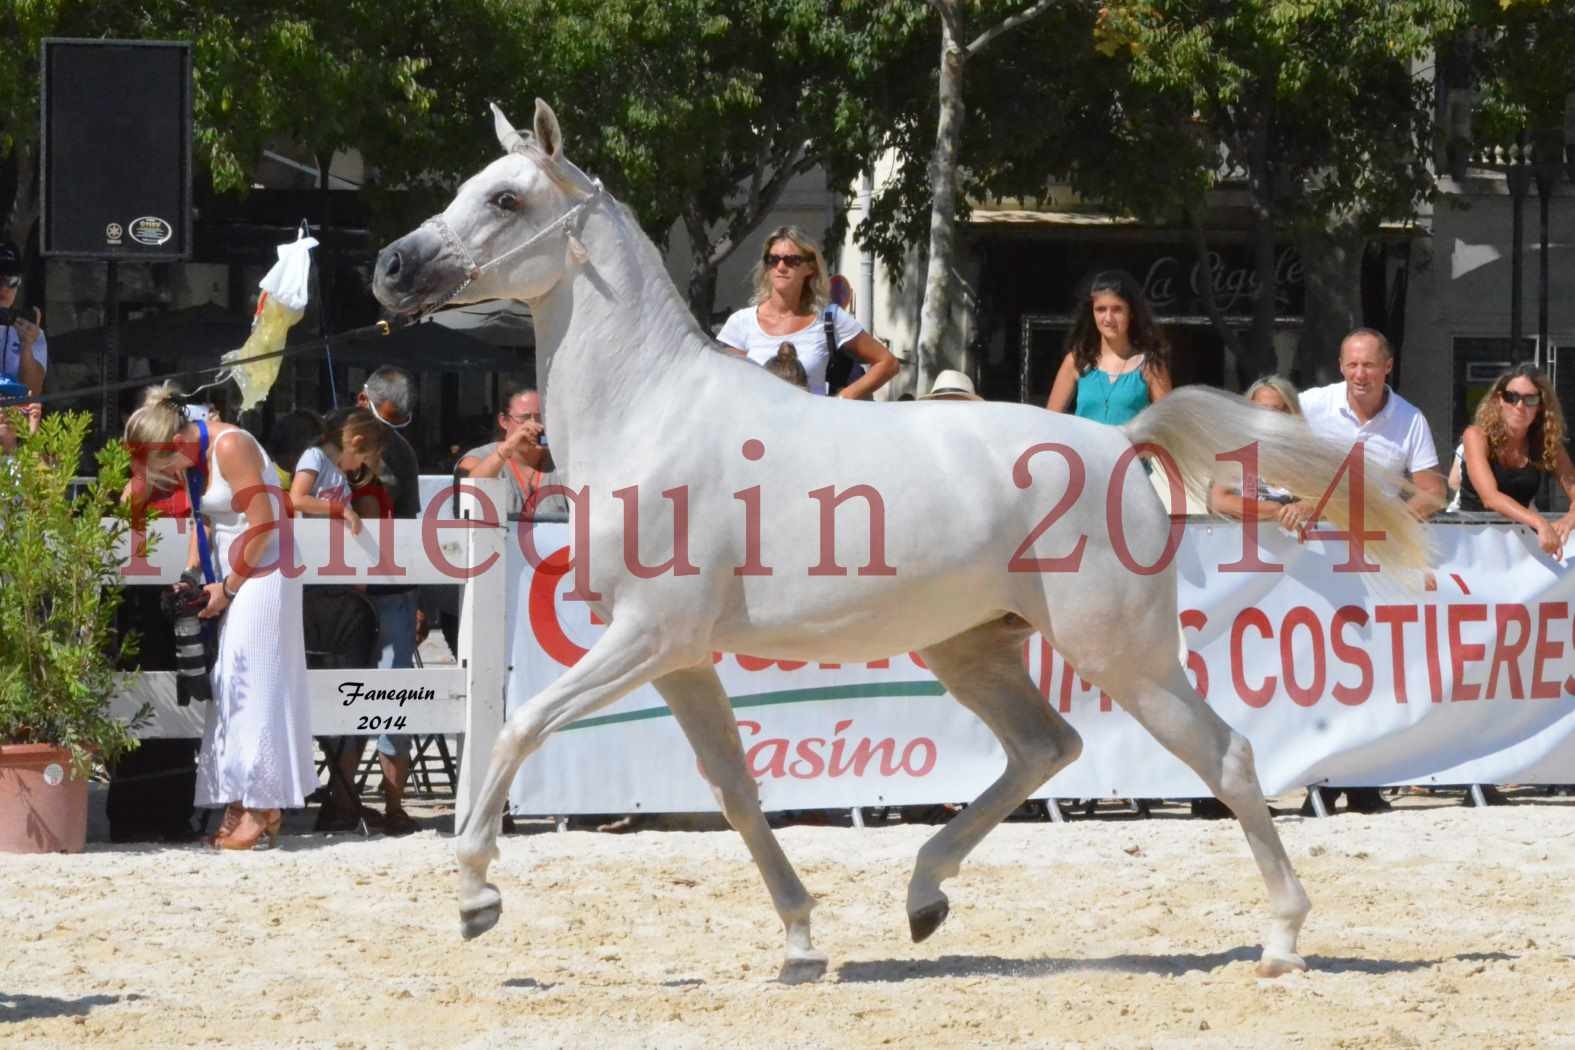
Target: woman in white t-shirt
x: 790, y: 305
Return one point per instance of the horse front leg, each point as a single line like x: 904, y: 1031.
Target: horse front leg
x: 983, y: 670
x: 1189, y: 729
x: 703, y: 711
x: 622, y: 660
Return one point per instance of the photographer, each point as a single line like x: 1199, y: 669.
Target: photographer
x: 24, y: 352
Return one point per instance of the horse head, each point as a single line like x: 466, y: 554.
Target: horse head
x: 510, y: 232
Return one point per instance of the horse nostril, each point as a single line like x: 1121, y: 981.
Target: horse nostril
x: 391, y: 263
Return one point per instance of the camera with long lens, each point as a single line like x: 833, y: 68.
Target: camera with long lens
x: 182, y: 603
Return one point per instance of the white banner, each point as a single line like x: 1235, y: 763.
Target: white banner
x: 1334, y: 676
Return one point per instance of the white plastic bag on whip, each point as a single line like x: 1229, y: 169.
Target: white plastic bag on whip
x: 285, y: 292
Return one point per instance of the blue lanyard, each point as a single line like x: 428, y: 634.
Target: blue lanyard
x: 194, y: 493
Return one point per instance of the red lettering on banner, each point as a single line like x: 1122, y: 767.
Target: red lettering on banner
x: 750, y: 498
x: 1546, y: 650
x: 769, y: 757
x: 776, y: 766
x: 917, y: 660
x: 1084, y: 686
x: 907, y: 765
x: 861, y: 754
x: 1461, y: 654
x: 1195, y: 620
x: 1064, y: 705
x: 883, y: 663
x: 756, y: 663
x: 864, y: 751
x: 1260, y: 696
x: 1435, y: 670
x: 1396, y: 617
x: 1569, y: 683
x: 809, y: 764
x: 542, y: 605
x: 1301, y: 616
x: 1353, y: 696
x: 1507, y: 653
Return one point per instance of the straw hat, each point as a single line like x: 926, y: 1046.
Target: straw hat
x: 951, y: 386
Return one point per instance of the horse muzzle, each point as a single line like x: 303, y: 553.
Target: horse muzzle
x: 412, y: 273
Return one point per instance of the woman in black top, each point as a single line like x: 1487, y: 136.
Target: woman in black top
x: 1518, y: 436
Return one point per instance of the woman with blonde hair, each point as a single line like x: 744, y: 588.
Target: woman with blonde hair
x: 256, y: 756
x: 790, y: 304
x: 1277, y: 394
x: 1516, y: 438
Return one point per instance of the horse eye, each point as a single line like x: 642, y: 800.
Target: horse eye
x: 506, y: 201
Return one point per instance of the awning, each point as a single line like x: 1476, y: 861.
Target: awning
x: 501, y: 322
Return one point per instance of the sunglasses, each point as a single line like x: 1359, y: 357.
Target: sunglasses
x: 11, y: 281
x: 1510, y: 397
x: 793, y: 261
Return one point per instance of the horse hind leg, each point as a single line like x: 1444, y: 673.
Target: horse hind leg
x: 705, y: 714
x: 1179, y: 719
x: 983, y: 669
x: 621, y: 660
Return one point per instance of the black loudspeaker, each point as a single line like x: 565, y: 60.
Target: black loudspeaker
x: 116, y: 171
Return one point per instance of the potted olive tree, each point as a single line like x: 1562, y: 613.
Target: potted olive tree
x: 59, y: 588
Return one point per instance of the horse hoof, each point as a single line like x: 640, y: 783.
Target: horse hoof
x: 1272, y: 966
x: 928, y: 919
x: 803, y: 970
x: 481, y: 917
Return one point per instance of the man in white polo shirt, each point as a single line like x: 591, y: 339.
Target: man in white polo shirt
x: 1364, y: 408
x: 1397, y: 437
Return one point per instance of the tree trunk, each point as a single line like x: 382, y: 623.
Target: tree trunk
x: 23, y: 212
x: 1205, y: 270
x: 936, y: 315
x: 1332, y: 264
x: 702, y: 269
x: 1261, y: 357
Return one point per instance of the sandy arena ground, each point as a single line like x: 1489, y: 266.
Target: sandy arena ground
x: 1433, y: 926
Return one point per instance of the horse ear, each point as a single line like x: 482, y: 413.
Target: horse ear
x: 548, y: 137
x: 508, y: 138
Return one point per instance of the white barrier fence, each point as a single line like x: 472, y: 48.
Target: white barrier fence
x: 437, y: 549
x: 1334, y: 680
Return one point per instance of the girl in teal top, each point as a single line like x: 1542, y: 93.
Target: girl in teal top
x: 1117, y: 360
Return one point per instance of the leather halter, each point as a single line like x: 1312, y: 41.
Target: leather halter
x: 474, y: 270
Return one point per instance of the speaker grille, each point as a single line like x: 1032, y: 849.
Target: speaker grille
x: 116, y: 149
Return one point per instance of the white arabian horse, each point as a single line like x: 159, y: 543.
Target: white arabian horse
x: 659, y: 430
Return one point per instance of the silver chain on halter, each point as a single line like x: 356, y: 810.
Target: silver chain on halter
x: 474, y: 270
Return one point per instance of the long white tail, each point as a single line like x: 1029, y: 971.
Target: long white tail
x: 1196, y: 423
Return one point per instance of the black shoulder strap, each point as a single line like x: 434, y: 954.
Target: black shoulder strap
x: 830, y: 327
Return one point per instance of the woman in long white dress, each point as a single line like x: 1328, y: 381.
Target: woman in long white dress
x: 256, y: 756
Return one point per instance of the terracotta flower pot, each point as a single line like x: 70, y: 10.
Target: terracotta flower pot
x: 42, y: 809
